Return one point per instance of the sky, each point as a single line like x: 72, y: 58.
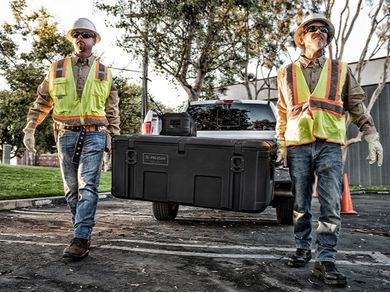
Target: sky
x: 159, y: 86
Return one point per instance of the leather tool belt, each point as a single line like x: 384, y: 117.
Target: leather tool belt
x: 87, y: 128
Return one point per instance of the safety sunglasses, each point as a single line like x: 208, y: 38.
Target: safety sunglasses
x: 314, y: 28
x: 85, y: 35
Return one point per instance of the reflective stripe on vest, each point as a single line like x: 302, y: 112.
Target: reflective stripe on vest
x: 74, y: 110
x: 320, y: 113
x: 60, y: 68
x: 101, y: 71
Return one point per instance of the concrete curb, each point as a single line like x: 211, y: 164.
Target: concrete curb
x: 369, y: 192
x: 41, y: 201
x: 56, y: 200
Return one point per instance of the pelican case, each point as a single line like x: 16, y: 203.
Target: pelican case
x: 236, y: 175
x: 178, y: 124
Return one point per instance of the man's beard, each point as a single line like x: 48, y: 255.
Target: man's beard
x: 321, y: 42
x: 80, y: 46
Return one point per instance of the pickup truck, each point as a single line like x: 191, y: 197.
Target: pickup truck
x: 231, y: 119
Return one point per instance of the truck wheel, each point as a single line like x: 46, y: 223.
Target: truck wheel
x: 285, y: 210
x: 165, y: 211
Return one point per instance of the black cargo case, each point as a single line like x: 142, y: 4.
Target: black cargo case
x: 236, y: 175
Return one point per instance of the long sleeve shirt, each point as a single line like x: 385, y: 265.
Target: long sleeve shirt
x: 353, y: 97
x: 44, y: 102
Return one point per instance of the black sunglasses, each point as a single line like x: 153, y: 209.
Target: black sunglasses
x: 314, y: 28
x: 85, y: 35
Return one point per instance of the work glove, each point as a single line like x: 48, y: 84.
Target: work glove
x: 281, y: 154
x: 375, y: 150
x: 29, y: 139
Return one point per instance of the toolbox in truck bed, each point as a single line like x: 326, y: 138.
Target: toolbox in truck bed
x: 227, y: 174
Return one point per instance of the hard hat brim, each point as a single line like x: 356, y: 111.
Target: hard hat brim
x: 299, y: 31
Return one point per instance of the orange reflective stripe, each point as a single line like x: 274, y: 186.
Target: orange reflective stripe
x: 294, y: 84
x: 329, y: 78
x: 342, y: 78
x: 338, y: 80
x: 60, y: 68
x: 101, y: 71
x: 95, y: 117
x: 327, y: 105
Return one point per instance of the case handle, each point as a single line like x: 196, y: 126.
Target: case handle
x: 131, y: 157
x: 237, y: 164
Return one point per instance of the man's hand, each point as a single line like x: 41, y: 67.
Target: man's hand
x: 29, y: 139
x: 375, y: 150
x: 281, y: 153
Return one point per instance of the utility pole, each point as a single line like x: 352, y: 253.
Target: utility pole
x: 144, y: 98
x: 145, y: 63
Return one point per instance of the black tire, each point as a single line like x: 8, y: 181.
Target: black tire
x: 285, y: 210
x: 165, y: 211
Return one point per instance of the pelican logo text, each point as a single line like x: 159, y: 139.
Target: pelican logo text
x: 155, y: 159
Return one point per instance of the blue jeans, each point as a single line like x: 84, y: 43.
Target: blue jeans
x: 81, y: 180
x: 323, y: 159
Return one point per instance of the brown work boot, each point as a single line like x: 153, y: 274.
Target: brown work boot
x: 78, y: 249
x: 327, y: 271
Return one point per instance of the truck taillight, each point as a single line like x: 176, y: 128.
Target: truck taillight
x: 146, y: 128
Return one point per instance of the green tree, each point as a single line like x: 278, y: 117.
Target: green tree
x: 130, y: 106
x: 27, y: 47
x: 204, y: 44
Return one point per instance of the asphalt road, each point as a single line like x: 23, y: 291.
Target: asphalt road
x: 202, y: 250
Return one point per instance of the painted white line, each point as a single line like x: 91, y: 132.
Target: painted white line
x: 32, y: 212
x: 382, y: 259
x: 222, y: 255
x: 377, y: 256
x: 32, y: 242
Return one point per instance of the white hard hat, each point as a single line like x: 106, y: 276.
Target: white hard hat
x: 313, y: 17
x: 84, y: 24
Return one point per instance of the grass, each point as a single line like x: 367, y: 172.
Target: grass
x: 17, y: 182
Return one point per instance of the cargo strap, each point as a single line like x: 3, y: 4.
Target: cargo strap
x: 79, y: 146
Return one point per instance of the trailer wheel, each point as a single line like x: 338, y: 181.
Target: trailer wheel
x: 285, y: 210
x: 165, y: 211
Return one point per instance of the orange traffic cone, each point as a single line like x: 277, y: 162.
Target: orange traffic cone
x: 346, y: 201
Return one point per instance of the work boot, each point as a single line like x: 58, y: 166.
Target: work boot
x: 326, y: 270
x: 78, y: 249
x: 300, y: 258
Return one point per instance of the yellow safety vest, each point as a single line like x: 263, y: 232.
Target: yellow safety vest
x: 319, y: 114
x: 88, y: 109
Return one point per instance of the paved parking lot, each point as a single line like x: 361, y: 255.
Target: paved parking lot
x: 202, y: 250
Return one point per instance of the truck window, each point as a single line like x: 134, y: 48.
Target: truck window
x: 233, y: 116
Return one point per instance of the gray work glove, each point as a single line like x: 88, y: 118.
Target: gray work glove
x: 375, y: 150
x: 29, y: 139
x: 281, y: 154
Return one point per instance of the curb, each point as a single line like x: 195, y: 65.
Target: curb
x: 369, y: 192
x: 56, y: 200
x: 40, y: 201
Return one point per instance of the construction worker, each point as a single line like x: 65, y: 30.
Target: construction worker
x: 314, y: 93
x: 84, y: 100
